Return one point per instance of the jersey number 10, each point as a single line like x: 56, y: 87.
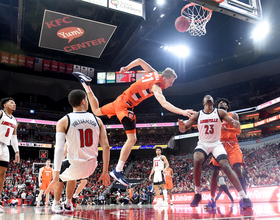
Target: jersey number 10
x: 86, y: 137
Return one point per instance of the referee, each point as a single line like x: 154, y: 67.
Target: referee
x: 223, y: 187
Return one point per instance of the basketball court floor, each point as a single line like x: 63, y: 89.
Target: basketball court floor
x: 145, y: 212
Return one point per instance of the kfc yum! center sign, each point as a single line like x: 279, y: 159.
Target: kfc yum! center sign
x: 74, y: 35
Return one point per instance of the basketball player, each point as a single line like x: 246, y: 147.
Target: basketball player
x: 149, y: 85
x: 8, y: 133
x: 159, y: 170
x: 209, y: 124
x: 230, y: 142
x: 168, y: 182
x: 83, y: 131
x: 44, y: 180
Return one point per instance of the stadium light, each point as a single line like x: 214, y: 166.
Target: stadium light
x: 261, y: 31
x: 160, y: 2
x: 180, y: 50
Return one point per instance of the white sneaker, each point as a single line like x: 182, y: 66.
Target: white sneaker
x: 57, y: 208
x: 1, y: 209
x: 140, y: 203
x: 165, y: 203
x: 67, y: 208
x: 159, y: 202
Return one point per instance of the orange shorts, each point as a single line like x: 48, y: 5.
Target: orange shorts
x: 168, y: 184
x: 119, y: 108
x: 235, y: 155
x: 45, y: 184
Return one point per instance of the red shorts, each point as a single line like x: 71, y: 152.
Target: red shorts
x: 234, y: 153
x: 119, y: 108
x: 45, y: 184
x: 168, y: 184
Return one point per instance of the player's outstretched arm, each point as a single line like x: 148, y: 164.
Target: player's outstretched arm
x: 138, y: 62
x: 165, y: 163
x: 152, y: 172
x: 224, y: 115
x: 184, y: 126
x: 103, y: 140
x: 233, y: 130
x: 167, y: 105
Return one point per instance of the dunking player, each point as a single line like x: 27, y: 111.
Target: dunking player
x: 149, y: 85
x: 83, y: 131
x: 230, y: 142
x: 159, y: 170
x: 44, y: 180
x: 168, y: 182
x: 209, y: 124
x: 8, y: 133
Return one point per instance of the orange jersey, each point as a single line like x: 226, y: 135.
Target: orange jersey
x: 47, y: 174
x: 130, y: 193
x: 227, y: 135
x: 141, y: 89
x: 168, y: 173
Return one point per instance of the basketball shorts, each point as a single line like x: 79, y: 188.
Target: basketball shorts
x: 168, y: 184
x: 77, y: 170
x: 158, y: 178
x: 215, y: 148
x: 120, y: 108
x: 45, y: 184
x: 234, y: 153
x: 4, y: 155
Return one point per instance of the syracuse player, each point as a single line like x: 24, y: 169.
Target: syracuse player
x: 230, y: 142
x: 149, y: 85
x: 168, y: 182
x: 44, y: 179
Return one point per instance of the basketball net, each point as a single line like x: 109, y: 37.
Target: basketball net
x: 198, y: 17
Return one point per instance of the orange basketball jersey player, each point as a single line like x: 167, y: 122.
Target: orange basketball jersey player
x: 168, y: 182
x: 44, y: 179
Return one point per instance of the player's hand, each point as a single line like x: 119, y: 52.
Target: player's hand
x: 224, y: 128
x: 189, y: 112
x: 181, y: 123
x: 105, y: 179
x: 123, y: 69
x: 40, y: 184
x: 164, y: 170
x: 150, y: 178
x: 53, y: 185
x: 17, y: 158
x: 235, y: 124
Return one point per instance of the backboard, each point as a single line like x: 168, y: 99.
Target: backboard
x: 247, y: 10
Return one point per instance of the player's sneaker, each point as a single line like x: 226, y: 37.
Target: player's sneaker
x: 165, y: 203
x: 38, y: 204
x: 119, y: 177
x: 74, y: 202
x: 57, y: 208
x: 82, y: 78
x: 171, y: 203
x: 159, y: 202
x: 1, y: 209
x: 247, y: 204
x: 46, y: 205
x: 140, y: 203
x: 240, y: 203
x: 67, y: 208
x: 211, y: 205
x: 196, y: 200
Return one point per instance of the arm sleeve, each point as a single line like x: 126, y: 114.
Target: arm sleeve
x: 14, y: 142
x: 59, y: 150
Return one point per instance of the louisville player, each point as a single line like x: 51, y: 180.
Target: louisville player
x: 44, y: 180
x: 209, y: 124
x: 149, y: 85
x: 160, y: 164
x: 8, y: 134
x: 168, y: 182
x: 230, y: 142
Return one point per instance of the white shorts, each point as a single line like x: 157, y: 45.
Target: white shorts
x: 215, y: 148
x: 74, y: 172
x: 158, y: 178
x: 4, y: 153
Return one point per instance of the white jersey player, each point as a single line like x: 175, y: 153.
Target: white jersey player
x: 82, y: 131
x: 209, y: 124
x: 8, y: 135
x: 160, y: 164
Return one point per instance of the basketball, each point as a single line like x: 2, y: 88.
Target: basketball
x: 182, y: 24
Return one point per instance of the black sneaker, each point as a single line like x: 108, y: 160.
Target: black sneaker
x: 247, y: 204
x: 68, y: 209
x: 74, y: 202
x: 196, y: 200
x: 82, y: 78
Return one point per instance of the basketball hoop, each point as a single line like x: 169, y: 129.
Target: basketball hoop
x: 198, y: 17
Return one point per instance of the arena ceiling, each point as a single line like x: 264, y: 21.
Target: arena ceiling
x: 226, y: 46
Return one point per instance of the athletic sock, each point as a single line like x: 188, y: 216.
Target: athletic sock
x: 242, y: 195
x: 119, y: 166
x: 68, y: 202
x: 164, y: 192
x: 55, y: 202
x: 243, y: 183
x: 75, y: 195
x: 197, y: 189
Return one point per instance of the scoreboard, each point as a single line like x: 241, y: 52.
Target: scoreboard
x: 117, y: 77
